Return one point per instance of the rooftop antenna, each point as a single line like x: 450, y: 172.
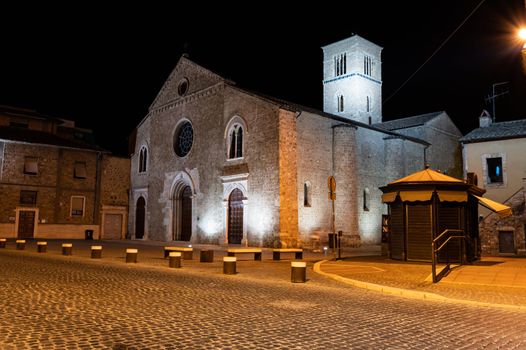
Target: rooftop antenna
x: 494, y: 96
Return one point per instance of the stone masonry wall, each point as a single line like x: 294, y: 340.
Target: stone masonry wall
x: 55, y: 183
x: 314, y: 163
x: 346, y: 208
x: 209, y: 110
x: 288, y: 185
x: 491, y: 224
x: 115, y: 181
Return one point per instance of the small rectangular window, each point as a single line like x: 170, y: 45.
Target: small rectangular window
x: 28, y: 197
x: 31, y: 166
x: 77, y: 206
x: 80, y: 170
x: 494, y: 170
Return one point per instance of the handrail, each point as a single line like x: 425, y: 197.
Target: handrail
x: 447, y: 241
x: 446, y: 231
x: 434, y: 251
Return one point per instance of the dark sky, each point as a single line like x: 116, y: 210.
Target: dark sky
x: 104, y: 66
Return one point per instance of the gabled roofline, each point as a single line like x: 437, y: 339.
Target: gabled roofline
x: 184, y: 58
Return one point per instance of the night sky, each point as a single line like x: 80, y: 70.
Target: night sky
x: 103, y: 67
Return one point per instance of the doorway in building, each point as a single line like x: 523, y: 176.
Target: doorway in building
x: 113, y: 226
x: 140, y: 215
x: 235, y: 217
x: 506, y: 242
x: 26, y: 223
x: 185, y: 219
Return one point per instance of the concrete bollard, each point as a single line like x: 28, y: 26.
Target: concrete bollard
x: 229, y: 265
x: 67, y: 248
x: 131, y: 255
x: 298, y: 272
x: 3, y: 242
x: 175, y: 259
x: 20, y: 244
x: 41, y: 247
x: 206, y: 256
x: 96, y: 251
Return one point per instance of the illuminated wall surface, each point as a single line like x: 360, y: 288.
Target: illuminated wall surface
x: 258, y: 196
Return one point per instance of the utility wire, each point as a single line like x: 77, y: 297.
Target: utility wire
x: 435, y: 52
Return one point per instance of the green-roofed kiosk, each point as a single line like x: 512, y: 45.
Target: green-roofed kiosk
x: 425, y: 204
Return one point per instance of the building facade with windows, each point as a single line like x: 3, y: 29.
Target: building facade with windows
x: 226, y: 165
x: 494, y: 152
x: 55, y: 183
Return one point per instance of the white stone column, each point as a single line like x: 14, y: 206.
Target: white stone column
x: 244, y: 241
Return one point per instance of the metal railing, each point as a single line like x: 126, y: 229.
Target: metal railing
x: 435, y: 251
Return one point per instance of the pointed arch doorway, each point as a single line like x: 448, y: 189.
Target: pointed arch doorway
x: 140, y: 215
x: 235, y: 217
x: 183, y: 214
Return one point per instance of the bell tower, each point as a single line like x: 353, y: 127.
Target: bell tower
x: 352, y: 80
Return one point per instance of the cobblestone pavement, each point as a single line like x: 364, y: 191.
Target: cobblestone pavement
x: 49, y: 301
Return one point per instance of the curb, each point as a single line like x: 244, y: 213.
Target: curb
x: 410, y: 294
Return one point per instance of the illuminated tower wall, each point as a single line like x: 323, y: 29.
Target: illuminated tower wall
x: 352, y: 80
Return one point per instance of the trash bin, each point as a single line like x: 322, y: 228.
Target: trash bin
x: 89, y: 234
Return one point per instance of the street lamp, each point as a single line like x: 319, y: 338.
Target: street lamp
x: 521, y: 34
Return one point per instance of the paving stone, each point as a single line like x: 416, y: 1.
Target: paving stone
x: 56, y: 302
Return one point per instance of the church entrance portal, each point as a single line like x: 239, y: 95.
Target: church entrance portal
x: 185, y: 216
x: 235, y: 217
x: 140, y: 214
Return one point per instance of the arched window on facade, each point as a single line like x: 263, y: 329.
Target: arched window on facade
x: 307, y: 194
x: 235, y: 144
x: 143, y: 159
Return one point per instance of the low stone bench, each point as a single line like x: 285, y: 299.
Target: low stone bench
x: 256, y: 251
x: 188, y: 253
x: 276, y: 253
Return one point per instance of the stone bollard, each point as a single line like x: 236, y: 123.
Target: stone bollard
x: 229, y: 265
x: 206, y: 256
x: 175, y: 259
x: 96, y: 251
x: 298, y: 272
x: 67, y: 248
x: 131, y: 255
x: 20, y: 244
x: 41, y: 247
x: 3, y: 242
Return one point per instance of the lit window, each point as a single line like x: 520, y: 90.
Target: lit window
x: 143, y: 159
x: 235, y: 145
x: 306, y: 194
x: 77, y: 206
x: 80, y: 170
x: 31, y: 166
x: 494, y: 170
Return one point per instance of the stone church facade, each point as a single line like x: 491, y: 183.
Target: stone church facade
x: 214, y: 163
